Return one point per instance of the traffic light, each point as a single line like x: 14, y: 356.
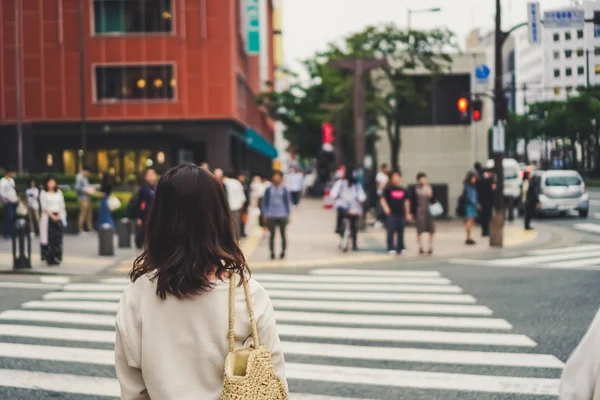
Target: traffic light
x: 463, y: 105
x: 477, y: 110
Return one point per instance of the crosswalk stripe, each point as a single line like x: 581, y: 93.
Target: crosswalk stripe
x: 434, y: 298
x: 404, y: 354
x: 423, y: 380
x: 398, y: 335
x: 367, y: 272
x: 587, y: 227
x: 364, y: 288
x: 586, y: 262
x: 349, y: 279
x: 82, y: 296
x: 58, y: 317
x: 73, y: 305
x: 46, y: 332
x: 119, y: 281
x: 296, y: 396
x: 94, y: 287
x: 382, y: 307
x: 55, y: 353
x: 26, y: 285
x: 542, y: 259
x: 55, y: 279
x: 76, y: 384
x: 565, y: 250
x: 393, y: 320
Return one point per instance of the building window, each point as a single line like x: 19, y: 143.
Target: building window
x: 580, y: 34
x: 125, y: 16
x: 580, y: 70
x: 569, y: 89
x: 557, y: 73
x: 556, y: 54
x: 557, y: 90
x: 579, y: 52
x: 556, y: 37
x: 567, y: 35
x: 129, y: 82
x: 569, y: 71
x: 597, y: 69
x: 568, y: 53
x: 597, y: 51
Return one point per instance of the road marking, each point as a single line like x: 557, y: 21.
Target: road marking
x: 587, y: 227
x: 120, y: 281
x: 55, y: 353
x: 55, y: 279
x: 59, y: 317
x: 392, y: 320
x: 527, y: 260
x: 398, y: 335
x: 73, y: 305
x: 46, y: 332
x: 422, y: 380
x: 347, y: 279
x: 25, y: 285
x: 565, y: 250
x: 422, y: 355
x: 94, y: 287
x: 364, y: 288
x: 576, y: 263
x: 65, y: 383
x: 382, y: 307
x: 82, y: 296
x: 373, y: 296
x: 366, y: 272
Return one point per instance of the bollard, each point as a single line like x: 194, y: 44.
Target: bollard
x: 21, y: 240
x: 106, y: 245
x: 124, y: 233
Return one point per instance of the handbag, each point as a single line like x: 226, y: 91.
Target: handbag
x: 436, y: 209
x: 113, y: 203
x: 249, y: 372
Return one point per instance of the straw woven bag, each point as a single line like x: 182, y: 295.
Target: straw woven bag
x: 249, y: 372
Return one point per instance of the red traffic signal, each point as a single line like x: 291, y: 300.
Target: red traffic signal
x: 476, y: 115
x: 477, y: 110
x: 463, y: 105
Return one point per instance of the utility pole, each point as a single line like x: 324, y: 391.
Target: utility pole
x: 82, y: 91
x: 359, y: 66
x: 19, y: 85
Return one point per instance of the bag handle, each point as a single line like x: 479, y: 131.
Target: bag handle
x: 232, y: 312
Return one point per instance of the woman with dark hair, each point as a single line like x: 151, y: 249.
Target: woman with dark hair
x: 172, y: 321
x: 106, y: 188
x: 52, y: 222
x: 471, y: 204
x: 349, y: 198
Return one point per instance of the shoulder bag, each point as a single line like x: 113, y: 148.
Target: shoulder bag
x: 249, y: 372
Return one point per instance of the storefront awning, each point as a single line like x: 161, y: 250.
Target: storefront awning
x: 255, y: 141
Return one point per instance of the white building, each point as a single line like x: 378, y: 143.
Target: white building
x: 553, y: 69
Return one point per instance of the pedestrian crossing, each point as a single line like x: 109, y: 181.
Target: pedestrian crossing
x: 347, y: 334
x: 584, y: 256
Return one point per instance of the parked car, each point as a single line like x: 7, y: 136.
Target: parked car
x: 513, y: 179
x: 562, y: 192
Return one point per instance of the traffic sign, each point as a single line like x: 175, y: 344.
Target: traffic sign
x: 534, y: 23
x: 567, y: 18
x: 482, y: 72
x: 498, y: 138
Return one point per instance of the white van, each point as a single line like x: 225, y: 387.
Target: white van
x: 513, y: 181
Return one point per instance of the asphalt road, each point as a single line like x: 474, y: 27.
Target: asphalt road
x: 432, y: 331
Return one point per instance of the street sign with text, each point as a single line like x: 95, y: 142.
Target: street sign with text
x: 567, y: 18
x: 534, y: 23
x: 252, y: 22
x: 498, y: 138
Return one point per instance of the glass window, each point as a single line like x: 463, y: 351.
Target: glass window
x: 556, y: 37
x: 132, y: 16
x: 123, y: 82
x: 569, y: 89
x: 567, y: 35
x: 597, y: 69
x: 563, y: 181
x: 579, y: 52
x: 69, y: 162
x: 568, y: 53
x: 569, y: 71
x: 580, y: 70
x: 557, y: 73
x: 597, y: 51
x: 556, y: 54
x: 596, y: 30
x: 580, y: 34
x: 557, y: 90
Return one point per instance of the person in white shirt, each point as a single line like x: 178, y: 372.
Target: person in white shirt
x: 237, y: 198
x: 33, y: 204
x: 10, y: 200
x: 295, y: 185
x: 52, y: 222
x: 581, y: 376
x: 349, y: 197
x: 381, y: 180
x: 172, y: 322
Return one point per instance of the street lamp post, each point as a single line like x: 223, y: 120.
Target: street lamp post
x: 410, y: 12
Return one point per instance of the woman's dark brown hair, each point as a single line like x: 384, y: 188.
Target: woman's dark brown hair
x: 189, y: 235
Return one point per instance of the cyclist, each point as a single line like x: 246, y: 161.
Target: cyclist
x: 349, y: 198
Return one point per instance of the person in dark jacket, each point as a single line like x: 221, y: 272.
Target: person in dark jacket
x: 143, y: 201
x: 485, y: 196
x: 532, y: 199
x: 242, y: 177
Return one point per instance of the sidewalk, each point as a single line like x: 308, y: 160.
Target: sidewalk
x: 311, y: 241
x: 80, y: 257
